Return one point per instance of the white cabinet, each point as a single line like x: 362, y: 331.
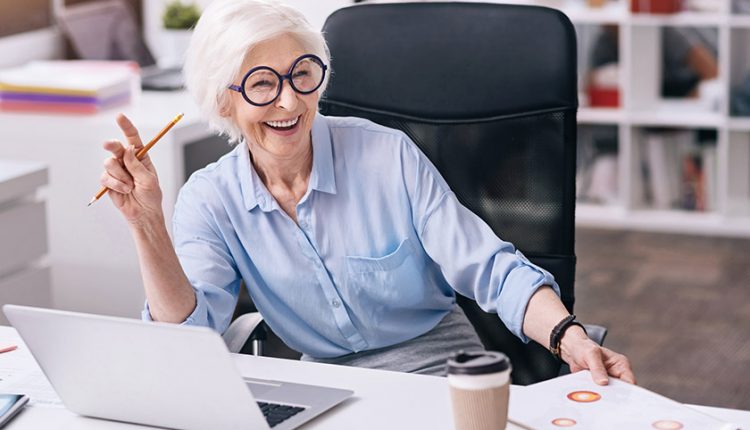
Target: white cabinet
x: 24, y: 273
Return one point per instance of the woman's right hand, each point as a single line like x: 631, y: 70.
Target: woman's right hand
x: 133, y: 184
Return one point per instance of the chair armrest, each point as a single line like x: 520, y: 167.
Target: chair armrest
x: 596, y: 333
x: 246, y: 327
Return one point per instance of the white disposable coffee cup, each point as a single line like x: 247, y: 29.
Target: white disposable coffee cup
x: 480, y: 385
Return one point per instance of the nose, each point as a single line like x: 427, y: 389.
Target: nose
x: 287, y: 100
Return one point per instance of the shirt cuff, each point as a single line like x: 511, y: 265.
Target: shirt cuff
x: 199, y: 313
x: 520, y: 285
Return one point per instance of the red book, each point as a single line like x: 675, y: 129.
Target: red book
x: 656, y: 6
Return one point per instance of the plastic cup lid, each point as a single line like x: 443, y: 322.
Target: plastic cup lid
x: 477, y: 363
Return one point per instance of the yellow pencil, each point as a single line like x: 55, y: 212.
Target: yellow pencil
x: 142, y: 152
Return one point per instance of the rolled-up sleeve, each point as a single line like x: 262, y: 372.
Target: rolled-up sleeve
x: 205, y: 259
x: 473, y: 260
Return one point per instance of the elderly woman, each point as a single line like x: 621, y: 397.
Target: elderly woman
x: 351, y: 244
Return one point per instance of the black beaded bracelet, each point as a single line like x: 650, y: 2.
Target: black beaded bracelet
x: 557, y: 333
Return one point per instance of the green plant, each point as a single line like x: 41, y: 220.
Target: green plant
x: 179, y: 16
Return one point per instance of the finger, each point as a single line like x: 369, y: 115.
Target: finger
x: 114, y: 184
x: 627, y: 375
x: 117, y: 198
x: 114, y: 168
x: 574, y: 367
x: 619, y: 366
x: 131, y: 133
x: 135, y: 166
x: 115, y: 147
x: 596, y: 366
x: 133, y: 138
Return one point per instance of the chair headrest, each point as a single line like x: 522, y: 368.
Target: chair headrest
x: 452, y: 61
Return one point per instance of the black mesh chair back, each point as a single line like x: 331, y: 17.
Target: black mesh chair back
x: 488, y: 92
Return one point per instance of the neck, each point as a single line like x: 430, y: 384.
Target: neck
x: 288, y: 172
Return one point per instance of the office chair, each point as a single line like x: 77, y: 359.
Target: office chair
x: 489, y: 94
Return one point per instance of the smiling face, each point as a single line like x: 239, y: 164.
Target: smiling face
x: 282, y: 128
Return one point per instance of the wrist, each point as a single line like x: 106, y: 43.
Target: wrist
x: 571, y: 341
x: 567, y: 331
x: 573, y: 335
x: 148, y: 225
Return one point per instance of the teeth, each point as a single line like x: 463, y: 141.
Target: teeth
x: 278, y: 124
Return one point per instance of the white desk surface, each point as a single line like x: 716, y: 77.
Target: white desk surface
x: 382, y: 400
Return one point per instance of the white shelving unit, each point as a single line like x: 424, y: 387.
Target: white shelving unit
x: 641, y: 107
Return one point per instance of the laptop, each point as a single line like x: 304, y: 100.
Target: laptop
x: 159, y: 374
x: 107, y: 30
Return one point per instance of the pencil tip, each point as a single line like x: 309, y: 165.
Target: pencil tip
x: 91, y: 202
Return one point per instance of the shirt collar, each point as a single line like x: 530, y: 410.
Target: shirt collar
x: 322, y: 178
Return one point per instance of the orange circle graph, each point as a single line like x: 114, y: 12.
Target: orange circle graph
x: 564, y: 422
x: 584, y: 396
x: 667, y: 425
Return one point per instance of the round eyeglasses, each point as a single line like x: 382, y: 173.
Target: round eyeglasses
x: 261, y: 85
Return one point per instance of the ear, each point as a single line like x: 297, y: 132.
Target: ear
x: 225, y: 106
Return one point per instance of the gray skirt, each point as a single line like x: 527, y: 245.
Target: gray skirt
x: 425, y: 354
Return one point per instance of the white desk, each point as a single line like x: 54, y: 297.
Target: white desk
x: 382, y: 400
x: 92, y: 257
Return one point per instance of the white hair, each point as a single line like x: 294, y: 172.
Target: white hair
x: 226, y: 32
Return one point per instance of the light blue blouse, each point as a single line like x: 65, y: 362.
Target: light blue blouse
x: 381, y: 247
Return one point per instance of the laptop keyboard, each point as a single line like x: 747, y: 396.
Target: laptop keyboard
x: 276, y: 413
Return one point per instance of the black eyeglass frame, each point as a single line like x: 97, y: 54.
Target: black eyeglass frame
x: 288, y: 76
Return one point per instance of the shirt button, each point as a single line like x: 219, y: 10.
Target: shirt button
x: 336, y: 303
x: 303, y: 224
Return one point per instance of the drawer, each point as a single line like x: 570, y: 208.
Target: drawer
x: 23, y: 235
x: 30, y: 287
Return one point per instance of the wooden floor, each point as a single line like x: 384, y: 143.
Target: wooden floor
x: 677, y: 306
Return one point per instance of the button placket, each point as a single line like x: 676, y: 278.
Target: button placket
x: 341, y: 316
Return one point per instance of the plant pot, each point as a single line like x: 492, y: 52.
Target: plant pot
x: 174, y: 46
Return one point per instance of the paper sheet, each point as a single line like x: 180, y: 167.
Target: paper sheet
x: 574, y: 401
x: 19, y: 374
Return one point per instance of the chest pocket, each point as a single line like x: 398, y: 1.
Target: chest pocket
x: 394, y: 280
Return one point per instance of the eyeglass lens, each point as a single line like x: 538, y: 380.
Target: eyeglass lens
x: 264, y: 85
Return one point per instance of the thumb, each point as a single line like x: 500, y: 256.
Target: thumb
x: 134, y: 166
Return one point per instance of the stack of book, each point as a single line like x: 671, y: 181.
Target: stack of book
x: 77, y: 87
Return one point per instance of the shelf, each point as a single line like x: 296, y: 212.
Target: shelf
x: 682, y: 19
x: 593, y: 215
x: 739, y: 21
x: 677, y: 113
x: 739, y: 124
x: 739, y: 208
x: 667, y: 221
x: 579, y: 13
x: 643, y: 107
x: 589, y: 115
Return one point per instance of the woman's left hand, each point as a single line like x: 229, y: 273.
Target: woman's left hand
x: 582, y: 353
